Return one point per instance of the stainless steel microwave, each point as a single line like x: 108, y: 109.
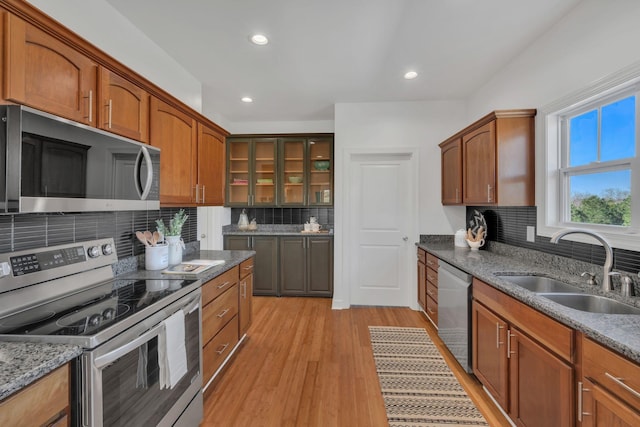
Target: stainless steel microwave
x: 51, y: 164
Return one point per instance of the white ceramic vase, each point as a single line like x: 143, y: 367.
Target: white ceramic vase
x: 176, y: 245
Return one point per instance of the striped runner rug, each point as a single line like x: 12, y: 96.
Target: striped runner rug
x: 418, y: 388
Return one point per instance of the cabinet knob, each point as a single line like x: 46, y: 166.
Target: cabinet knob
x: 405, y: 238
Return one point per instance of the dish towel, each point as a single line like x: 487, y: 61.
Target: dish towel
x: 172, y: 353
x: 143, y: 361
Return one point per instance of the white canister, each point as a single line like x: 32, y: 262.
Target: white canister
x: 461, y: 239
x: 156, y: 257
x: 176, y: 245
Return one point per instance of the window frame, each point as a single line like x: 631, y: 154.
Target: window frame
x: 552, y: 190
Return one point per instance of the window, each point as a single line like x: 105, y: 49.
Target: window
x: 598, y: 146
x: 588, y: 166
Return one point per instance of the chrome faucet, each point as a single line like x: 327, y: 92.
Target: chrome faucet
x: 608, y: 261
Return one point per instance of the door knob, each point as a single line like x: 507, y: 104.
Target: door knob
x: 405, y: 238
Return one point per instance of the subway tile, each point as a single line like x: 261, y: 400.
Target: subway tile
x: 60, y: 229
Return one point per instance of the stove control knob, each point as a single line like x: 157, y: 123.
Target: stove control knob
x: 95, y: 320
x: 107, y: 249
x: 93, y: 252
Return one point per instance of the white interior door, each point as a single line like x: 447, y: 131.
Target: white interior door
x: 380, y: 225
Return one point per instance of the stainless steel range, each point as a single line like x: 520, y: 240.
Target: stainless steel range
x: 142, y: 363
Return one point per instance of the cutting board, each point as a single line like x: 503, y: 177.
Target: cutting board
x: 193, y: 267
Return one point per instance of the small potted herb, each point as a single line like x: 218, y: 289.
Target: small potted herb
x: 172, y: 234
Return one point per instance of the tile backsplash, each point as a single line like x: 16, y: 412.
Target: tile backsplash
x: 26, y: 231
x: 285, y: 215
x: 509, y: 225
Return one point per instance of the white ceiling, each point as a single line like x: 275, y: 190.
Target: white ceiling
x: 323, y: 52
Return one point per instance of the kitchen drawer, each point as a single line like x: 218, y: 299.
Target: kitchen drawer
x: 218, y: 285
x: 432, y: 310
x: 217, y: 350
x: 432, y: 291
x: 432, y: 276
x: 246, y: 268
x: 552, y: 334
x: 422, y: 256
x: 432, y: 261
x: 41, y: 403
x: 217, y: 313
x: 611, y: 371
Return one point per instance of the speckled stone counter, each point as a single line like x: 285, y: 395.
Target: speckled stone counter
x: 23, y: 363
x: 275, y: 230
x: 231, y: 259
x: 617, y: 331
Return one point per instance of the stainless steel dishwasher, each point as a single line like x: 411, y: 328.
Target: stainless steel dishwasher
x: 454, y: 312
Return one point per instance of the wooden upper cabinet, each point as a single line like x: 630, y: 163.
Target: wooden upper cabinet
x: 211, y: 172
x: 479, y: 175
x: 451, y: 164
x: 175, y: 133
x: 123, y: 107
x: 497, y: 158
x: 45, y: 73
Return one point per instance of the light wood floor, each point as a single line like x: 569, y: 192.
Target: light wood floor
x: 304, y: 364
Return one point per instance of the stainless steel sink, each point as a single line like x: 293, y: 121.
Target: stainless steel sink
x: 540, y: 283
x: 591, y: 303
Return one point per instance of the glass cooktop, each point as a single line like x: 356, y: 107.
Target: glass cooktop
x: 92, y: 311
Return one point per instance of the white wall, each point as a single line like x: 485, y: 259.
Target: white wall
x: 102, y: 25
x: 595, y: 39
x: 396, y: 125
x: 319, y: 126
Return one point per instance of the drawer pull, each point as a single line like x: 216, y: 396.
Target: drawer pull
x: 222, y: 348
x: 429, y: 292
x: 620, y: 382
x: 223, y: 285
x: 498, y: 327
x: 249, y: 267
x: 223, y: 312
x: 429, y: 262
x: 431, y: 279
x: 430, y: 311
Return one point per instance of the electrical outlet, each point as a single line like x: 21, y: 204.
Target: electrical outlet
x: 531, y: 233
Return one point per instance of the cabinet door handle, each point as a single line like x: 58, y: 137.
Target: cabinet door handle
x: 243, y: 286
x: 509, y: 352
x: 457, y: 196
x: 222, y: 348
x: 90, y: 98
x: 223, y: 313
x: 498, y: 327
x: 109, y: 114
x: 620, y: 382
x: 223, y: 285
x: 488, y: 192
x: 581, y: 389
x: 203, y: 193
x: 196, y: 190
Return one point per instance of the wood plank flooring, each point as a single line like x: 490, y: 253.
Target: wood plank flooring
x: 304, y: 364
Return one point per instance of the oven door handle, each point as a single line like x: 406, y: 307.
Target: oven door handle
x: 102, y: 361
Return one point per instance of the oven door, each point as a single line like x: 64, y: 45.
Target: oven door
x: 120, y: 379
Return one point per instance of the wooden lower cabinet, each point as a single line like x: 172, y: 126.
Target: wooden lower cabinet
x: 533, y: 384
x: 43, y: 403
x: 306, y: 266
x: 246, y: 293
x: 422, y: 279
x: 288, y: 265
x: 265, y: 279
x: 609, y: 388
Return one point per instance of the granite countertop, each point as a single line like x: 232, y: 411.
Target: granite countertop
x: 23, y: 363
x: 276, y: 230
x: 617, y: 331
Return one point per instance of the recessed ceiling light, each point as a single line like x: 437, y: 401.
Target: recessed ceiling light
x: 410, y: 75
x: 259, y: 39
x: 247, y: 99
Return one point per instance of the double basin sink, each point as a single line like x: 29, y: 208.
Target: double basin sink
x: 569, y: 295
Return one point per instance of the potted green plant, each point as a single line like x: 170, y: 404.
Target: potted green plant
x: 172, y: 234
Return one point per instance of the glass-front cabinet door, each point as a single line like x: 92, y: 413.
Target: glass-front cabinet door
x: 238, y: 174
x: 265, y: 172
x: 251, y: 176
x: 293, y: 181
x: 320, y: 163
